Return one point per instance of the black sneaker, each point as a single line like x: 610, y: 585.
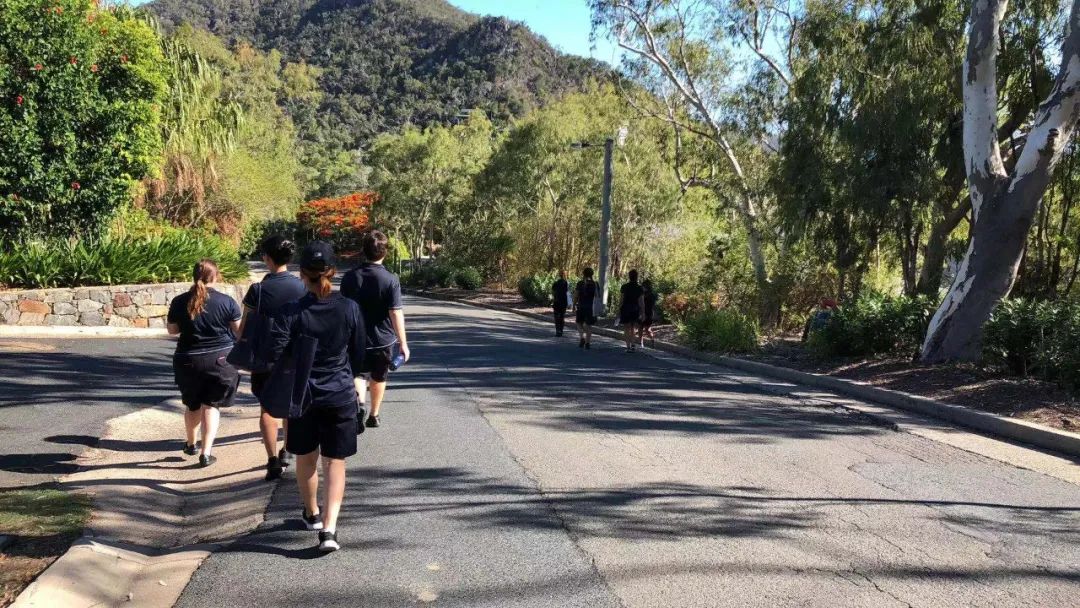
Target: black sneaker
x: 328, y: 542
x: 313, y: 522
x: 284, y: 457
x: 190, y: 449
x: 274, y: 468
x: 372, y: 422
x: 581, y: 343
x: 588, y: 346
x: 207, y: 460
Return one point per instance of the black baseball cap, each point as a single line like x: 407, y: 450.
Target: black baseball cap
x: 317, y: 256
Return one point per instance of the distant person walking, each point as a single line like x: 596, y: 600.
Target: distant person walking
x: 329, y: 422
x: 267, y: 298
x: 560, y: 298
x: 632, y: 310
x: 650, y: 299
x: 587, y: 292
x: 208, y: 323
x: 378, y: 292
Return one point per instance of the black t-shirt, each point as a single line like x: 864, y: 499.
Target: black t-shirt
x: 210, y: 330
x: 650, y: 304
x: 586, y: 291
x: 377, y: 291
x: 337, y: 323
x: 631, y: 295
x: 559, y: 291
x: 275, y: 291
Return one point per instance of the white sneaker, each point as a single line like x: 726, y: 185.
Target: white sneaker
x: 328, y: 542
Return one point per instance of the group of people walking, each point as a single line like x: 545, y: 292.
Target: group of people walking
x: 637, y: 307
x: 358, y: 337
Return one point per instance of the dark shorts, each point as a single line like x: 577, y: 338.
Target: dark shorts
x: 258, y: 381
x: 630, y: 315
x: 205, y: 379
x: 585, y: 316
x: 377, y: 363
x: 331, y: 430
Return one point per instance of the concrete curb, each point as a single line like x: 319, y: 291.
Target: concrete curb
x: 78, y: 331
x: 1029, y: 433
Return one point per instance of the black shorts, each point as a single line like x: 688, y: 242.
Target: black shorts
x: 630, y: 315
x: 377, y: 363
x: 331, y: 430
x: 205, y: 379
x: 258, y: 381
x: 585, y: 316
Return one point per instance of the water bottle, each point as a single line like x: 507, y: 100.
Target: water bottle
x: 397, y: 361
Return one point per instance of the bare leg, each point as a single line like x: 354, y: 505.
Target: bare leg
x: 588, y: 334
x: 211, y: 417
x: 268, y: 425
x: 191, y: 421
x: 378, y: 390
x: 334, y: 472
x: 307, y: 480
x: 628, y: 335
x: 360, y: 382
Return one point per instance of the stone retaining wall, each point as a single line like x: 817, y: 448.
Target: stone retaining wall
x: 115, y: 305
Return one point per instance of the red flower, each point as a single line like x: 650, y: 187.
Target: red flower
x: 14, y: 197
x: 123, y: 58
x: 90, y: 18
x: 104, y: 31
x: 93, y: 68
x: 38, y: 67
x: 73, y: 60
x: 59, y: 10
x: 18, y: 100
x: 75, y: 185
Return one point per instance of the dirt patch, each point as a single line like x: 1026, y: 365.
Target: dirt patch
x: 984, y: 388
x: 41, y: 525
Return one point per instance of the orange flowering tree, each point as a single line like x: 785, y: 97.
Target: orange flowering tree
x: 340, y: 221
x: 80, y: 88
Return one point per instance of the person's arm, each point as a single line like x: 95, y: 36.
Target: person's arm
x: 397, y: 318
x: 238, y: 318
x: 172, y: 324
x: 357, y: 341
x: 281, y: 327
x: 249, y: 304
x: 173, y: 328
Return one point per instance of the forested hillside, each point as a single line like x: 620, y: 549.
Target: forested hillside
x: 387, y: 63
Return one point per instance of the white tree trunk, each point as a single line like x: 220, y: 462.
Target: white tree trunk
x: 1004, y: 205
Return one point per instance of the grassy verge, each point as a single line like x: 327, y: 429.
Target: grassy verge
x: 43, y: 522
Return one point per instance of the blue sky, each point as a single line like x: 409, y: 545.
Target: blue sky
x: 565, y: 23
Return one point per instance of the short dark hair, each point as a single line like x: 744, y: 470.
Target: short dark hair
x: 587, y: 273
x: 375, y: 246
x: 633, y: 276
x: 279, y: 249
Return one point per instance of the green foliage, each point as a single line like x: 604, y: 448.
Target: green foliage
x: 875, y: 325
x: 116, y: 260
x: 80, y: 95
x: 536, y: 288
x: 1034, y: 338
x: 469, y: 278
x: 720, y: 330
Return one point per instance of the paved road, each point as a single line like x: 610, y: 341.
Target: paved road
x: 515, y: 470
x: 57, y: 394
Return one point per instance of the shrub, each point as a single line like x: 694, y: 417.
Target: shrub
x: 116, y: 260
x: 536, y: 288
x: 676, y: 307
x: 81, y: 90
x: 339, y: 221
x: 874, y: 325
x: 469, y: 278
x: 1039, y: 339
x: 720, y: 330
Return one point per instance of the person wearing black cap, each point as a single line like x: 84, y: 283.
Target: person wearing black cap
x: 329, y: 423
x: 266, y: 298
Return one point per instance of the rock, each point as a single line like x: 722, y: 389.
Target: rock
x: 61, y: 320
x: 116, y: 321
x: 59, y: 295
x: 11, y: 317
x: 32, y: 318
x: 159, y: 296
x: 141, y: 298
x: 34, y: 306
x: 121, y: 299
x: 64, y: 308
x: 140, y: 323
x: 92, y: 319
x: 155, y: 322
x: 100, y: 296
x: 153, y: 311
x: 89, y: 305
x: 127, y: 312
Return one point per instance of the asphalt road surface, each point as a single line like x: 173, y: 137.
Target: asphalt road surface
x: 57, y: 394
x: 514, y: 469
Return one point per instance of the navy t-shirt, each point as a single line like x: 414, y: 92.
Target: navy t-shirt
x: 336, y: 322
x: 210, y: 330
x: 274, y: 291
x: 377, y: 291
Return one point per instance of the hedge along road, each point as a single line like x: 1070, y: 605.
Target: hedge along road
x: 513, y: 469
x: 57, y: 394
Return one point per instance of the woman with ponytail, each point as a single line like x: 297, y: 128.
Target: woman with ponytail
x: 207, y: 322
x: 329, y: 424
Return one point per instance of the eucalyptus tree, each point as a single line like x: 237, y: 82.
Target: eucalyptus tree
x: 691, y: 56
x: 1005, y: 188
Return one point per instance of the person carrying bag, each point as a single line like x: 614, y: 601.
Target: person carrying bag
x: 316, y: 343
